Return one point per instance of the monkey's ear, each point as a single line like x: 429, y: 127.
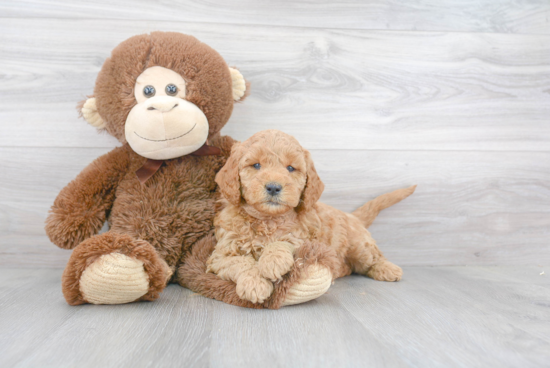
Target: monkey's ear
x: 240, y: 85
x: 90, y: 114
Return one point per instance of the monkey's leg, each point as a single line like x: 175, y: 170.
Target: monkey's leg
x: 113, y: 268
x: 314, y: 284
x: 310, y: 277
x: 315, y: 266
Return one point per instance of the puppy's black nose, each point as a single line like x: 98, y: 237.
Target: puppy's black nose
x: 273, y: 188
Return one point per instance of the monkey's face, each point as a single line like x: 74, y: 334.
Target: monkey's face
x: 164, y: 94
x: 163, y: 124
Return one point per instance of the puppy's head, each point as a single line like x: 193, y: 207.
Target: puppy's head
x: 271, y: 172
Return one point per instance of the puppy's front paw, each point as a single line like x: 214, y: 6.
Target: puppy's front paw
x: 276, y: 260
x: 251, y: 286
x: 385, y: 271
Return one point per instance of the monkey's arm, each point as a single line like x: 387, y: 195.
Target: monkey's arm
x: 80, y: 209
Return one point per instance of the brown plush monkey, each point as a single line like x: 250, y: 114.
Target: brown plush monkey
x: 165, y: 97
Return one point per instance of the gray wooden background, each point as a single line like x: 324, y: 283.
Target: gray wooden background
x: 452, y: 95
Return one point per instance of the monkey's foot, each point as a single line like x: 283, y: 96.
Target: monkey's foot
x: 316, y: 283
x: 114, y: 268
x: 114, y: 279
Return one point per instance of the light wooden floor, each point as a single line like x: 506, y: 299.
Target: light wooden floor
x: 434, y: 317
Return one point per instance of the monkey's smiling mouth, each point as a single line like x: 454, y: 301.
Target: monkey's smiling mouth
x: 168, y: 139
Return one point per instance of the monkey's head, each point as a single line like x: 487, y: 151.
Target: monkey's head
x: 164, y: 94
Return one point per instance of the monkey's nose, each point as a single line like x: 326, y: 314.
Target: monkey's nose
x: 162, y: 103
x: 273, y: 188
x: 163, y: 107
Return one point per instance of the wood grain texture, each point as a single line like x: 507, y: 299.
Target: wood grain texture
x: 437, y: 316
x: 506, y: 16
x: 484, y: 208
x: 463, y: 114
x: 332, y: 89
x: 487, y: 319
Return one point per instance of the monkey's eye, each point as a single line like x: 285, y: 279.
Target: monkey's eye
x: 149, y: 91
x: 171, y: 89
x: 257, y: 166
x: 290, y: 168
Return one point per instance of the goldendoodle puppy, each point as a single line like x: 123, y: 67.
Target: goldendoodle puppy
x: 270, y: 191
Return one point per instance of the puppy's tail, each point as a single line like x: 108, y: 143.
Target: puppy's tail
x: 368, y: 212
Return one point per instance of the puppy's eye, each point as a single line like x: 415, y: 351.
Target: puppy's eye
x: 290, y: 168
x: 257, y: 166
x: 171, y: 90
x: 149, y: 91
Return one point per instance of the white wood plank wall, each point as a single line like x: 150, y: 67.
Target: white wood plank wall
x: 451, y: 95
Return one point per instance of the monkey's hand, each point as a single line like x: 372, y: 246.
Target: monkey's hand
x: 80, y: 209
x: 276, y: 260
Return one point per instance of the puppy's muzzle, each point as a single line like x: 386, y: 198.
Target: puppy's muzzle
x: 273, y: 189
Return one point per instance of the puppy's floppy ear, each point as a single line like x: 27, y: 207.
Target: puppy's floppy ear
x: 228, y: 177
x: 314, y: 186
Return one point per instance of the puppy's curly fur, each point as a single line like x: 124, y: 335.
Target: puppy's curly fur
x: 270, y: 208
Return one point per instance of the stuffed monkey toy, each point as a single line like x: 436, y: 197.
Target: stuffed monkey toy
x: 165, y: 97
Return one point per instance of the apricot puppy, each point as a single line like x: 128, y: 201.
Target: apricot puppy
x: 270, y: 193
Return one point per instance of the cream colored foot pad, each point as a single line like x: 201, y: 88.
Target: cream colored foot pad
x: 317, y: 283
x: 114, y: 279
